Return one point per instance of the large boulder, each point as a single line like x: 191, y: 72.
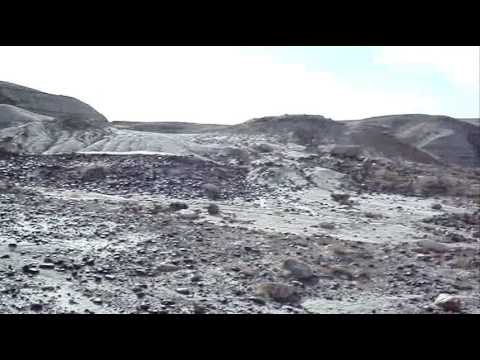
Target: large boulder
x: 297, y: 269
x: 212, y: 191
x: 347, y: 151
x: 434, y: 246
x: 278, y: 292
x: 448, y: 302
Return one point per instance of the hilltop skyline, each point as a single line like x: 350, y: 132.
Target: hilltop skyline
x: 228, y: 85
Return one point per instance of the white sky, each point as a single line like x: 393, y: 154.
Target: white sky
x: 233, y: 84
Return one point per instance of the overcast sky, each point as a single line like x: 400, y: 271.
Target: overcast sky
x: 232, y: 84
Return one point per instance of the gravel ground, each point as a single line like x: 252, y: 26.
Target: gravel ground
x: 72, y: 247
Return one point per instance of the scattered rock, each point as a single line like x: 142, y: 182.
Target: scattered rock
x: 342, y: 272
x: 167, y: 268
x: 327, y: 225
x: 47, y: 266
x: 434, y: 246
x: 30, y: 269
x: 91, y: 173
x: 176, y: 206
x: 278, y: 292
x: 213, y: 209
x: 189, y: 214
x: 343, y: 199
x: 36, y: 307
x: 448, y: 302
x: 183, y: 291
x: 298, y: 269
x: 372, y: 215
x: 257, y: 300
x: 196, y: 278
x: 212, y: 191
x: 199, y: 308
x: 454, y: 237
x: 436, y: 206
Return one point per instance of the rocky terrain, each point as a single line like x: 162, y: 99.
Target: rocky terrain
x: 289, y: 214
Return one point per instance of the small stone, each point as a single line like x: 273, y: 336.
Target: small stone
x: 434, y: 246
x: 89, y: 262
x: 196, y: 278
x: 258, y: 300
x: 140, y: 272
x: 342, y: 272
x: 47, y: 266
x: 343, y: 199
x: 213, y: 209
x: 140, y: 294
x: 176, y: 206
x: 277, y: 292
x: 188, y: 214
x: 36, y: 307
x: 199, y: 308
x: 167, y: 267
x: 298, y: 269
x: 424, y: 257
x: 28, y: 269
x: 183, y: 291
x: 97, y: 301
x: 327, y: 225
x: 144, y: 307
x: 212, y: 191
x: 448, y: 302
x: 436, y: 206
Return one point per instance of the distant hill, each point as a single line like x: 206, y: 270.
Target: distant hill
x: 167, y: 127
x: 32, y: 121
x: 444, y: 138
x: 472, y: 121
x: 57, y: 106
x: 37, y: 122
x: 313, y: 131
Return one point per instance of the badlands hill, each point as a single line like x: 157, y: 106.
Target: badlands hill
x: 418, y: 138
x: 444, y: 138
x: 35, y: 122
